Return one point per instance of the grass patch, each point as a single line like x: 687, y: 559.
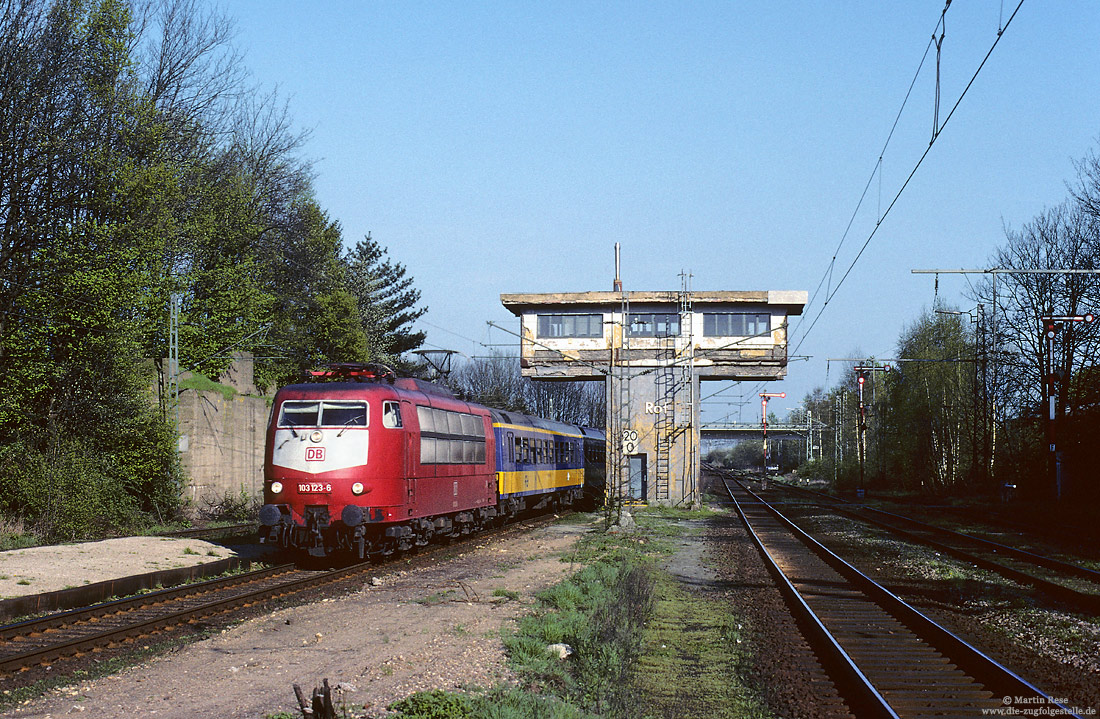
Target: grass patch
x: 437, y: 598
x: 692, y: 658
x: 201, y: 383
x: 17, y: 540
x: 500, y: 703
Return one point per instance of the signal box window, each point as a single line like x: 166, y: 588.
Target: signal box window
x: 735, y: 324
x: 570, y: 325
x: 654, y: 325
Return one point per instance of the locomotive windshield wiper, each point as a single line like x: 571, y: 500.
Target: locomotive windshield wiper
x: 294, y: 436
x: 347, y: 424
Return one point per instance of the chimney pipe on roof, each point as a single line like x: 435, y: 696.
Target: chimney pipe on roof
x: 618, y: 286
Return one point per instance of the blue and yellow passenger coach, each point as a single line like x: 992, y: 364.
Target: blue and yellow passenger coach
x: 538, y: 459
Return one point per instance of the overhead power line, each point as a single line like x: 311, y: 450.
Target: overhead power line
x: 832, y: 291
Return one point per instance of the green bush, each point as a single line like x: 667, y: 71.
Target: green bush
x: 65, y: 493
x: 239, y: 506
x: 435, y: 704
x: 816, y: 469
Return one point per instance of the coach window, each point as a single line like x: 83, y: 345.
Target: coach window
x: 391, y: 414
x: 525, y: 453
x: 512, y: 448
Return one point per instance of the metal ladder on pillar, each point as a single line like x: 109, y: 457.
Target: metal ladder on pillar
x: 685, y: 417
x: 622, y: 408
x: 664, y: 421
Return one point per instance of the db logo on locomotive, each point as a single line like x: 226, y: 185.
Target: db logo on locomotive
x: 315, y: 454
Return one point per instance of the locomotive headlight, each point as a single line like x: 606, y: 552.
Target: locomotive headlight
x: 357, y: 488
x: 316, y: 436
x: 276, y: 487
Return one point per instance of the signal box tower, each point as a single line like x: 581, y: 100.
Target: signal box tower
x: 652, y: 350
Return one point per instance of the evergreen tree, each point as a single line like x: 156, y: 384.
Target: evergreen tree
x: 386, y: 300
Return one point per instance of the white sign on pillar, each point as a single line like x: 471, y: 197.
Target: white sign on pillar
x: 630, y: 441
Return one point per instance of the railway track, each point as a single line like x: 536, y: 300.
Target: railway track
x: 886, y: 658
x: 45, y: 641
x: 1073, y: 584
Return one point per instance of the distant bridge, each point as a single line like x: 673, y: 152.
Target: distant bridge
x: 752, y: 430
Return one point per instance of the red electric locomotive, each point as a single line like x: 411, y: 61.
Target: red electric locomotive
x: 372, y: 464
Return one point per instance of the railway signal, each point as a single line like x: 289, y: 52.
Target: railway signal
x: 861, y: 376
x: 1052, y: 326
x: 764, y: 397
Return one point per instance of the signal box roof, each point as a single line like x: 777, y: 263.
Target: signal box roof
x: 792, y: 301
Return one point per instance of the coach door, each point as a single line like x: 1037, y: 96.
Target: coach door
x: 407, y: 464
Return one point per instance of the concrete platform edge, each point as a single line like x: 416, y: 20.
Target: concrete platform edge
x: 93, y: 593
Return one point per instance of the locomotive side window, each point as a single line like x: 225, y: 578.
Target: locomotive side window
x: 454, y: 423
x: 391, y: 415
x: 448, y: 437
x: 424, y: 414
x: 472, y: 425
x: 427, y: 450
x: 343, y: 414
x: 299, y: 414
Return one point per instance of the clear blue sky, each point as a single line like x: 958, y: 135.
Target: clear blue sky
x: 506, y: 146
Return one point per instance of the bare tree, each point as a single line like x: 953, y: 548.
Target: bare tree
x: 187, y: 62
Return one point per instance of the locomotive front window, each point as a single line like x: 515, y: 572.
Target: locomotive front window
x: 343, y: 414
x: 302, y: 413
x: 299, y: 414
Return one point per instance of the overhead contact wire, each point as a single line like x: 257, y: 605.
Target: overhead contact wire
x: 916, y: 167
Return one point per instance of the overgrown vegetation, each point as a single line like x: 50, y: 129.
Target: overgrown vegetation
x: 142, y: 171
x: 240, y: 506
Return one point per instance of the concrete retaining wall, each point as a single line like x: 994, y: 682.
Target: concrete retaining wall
x: 222, y: 438
x: 222, y: 444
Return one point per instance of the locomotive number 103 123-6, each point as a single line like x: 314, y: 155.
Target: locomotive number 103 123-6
x: 314, y: 487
